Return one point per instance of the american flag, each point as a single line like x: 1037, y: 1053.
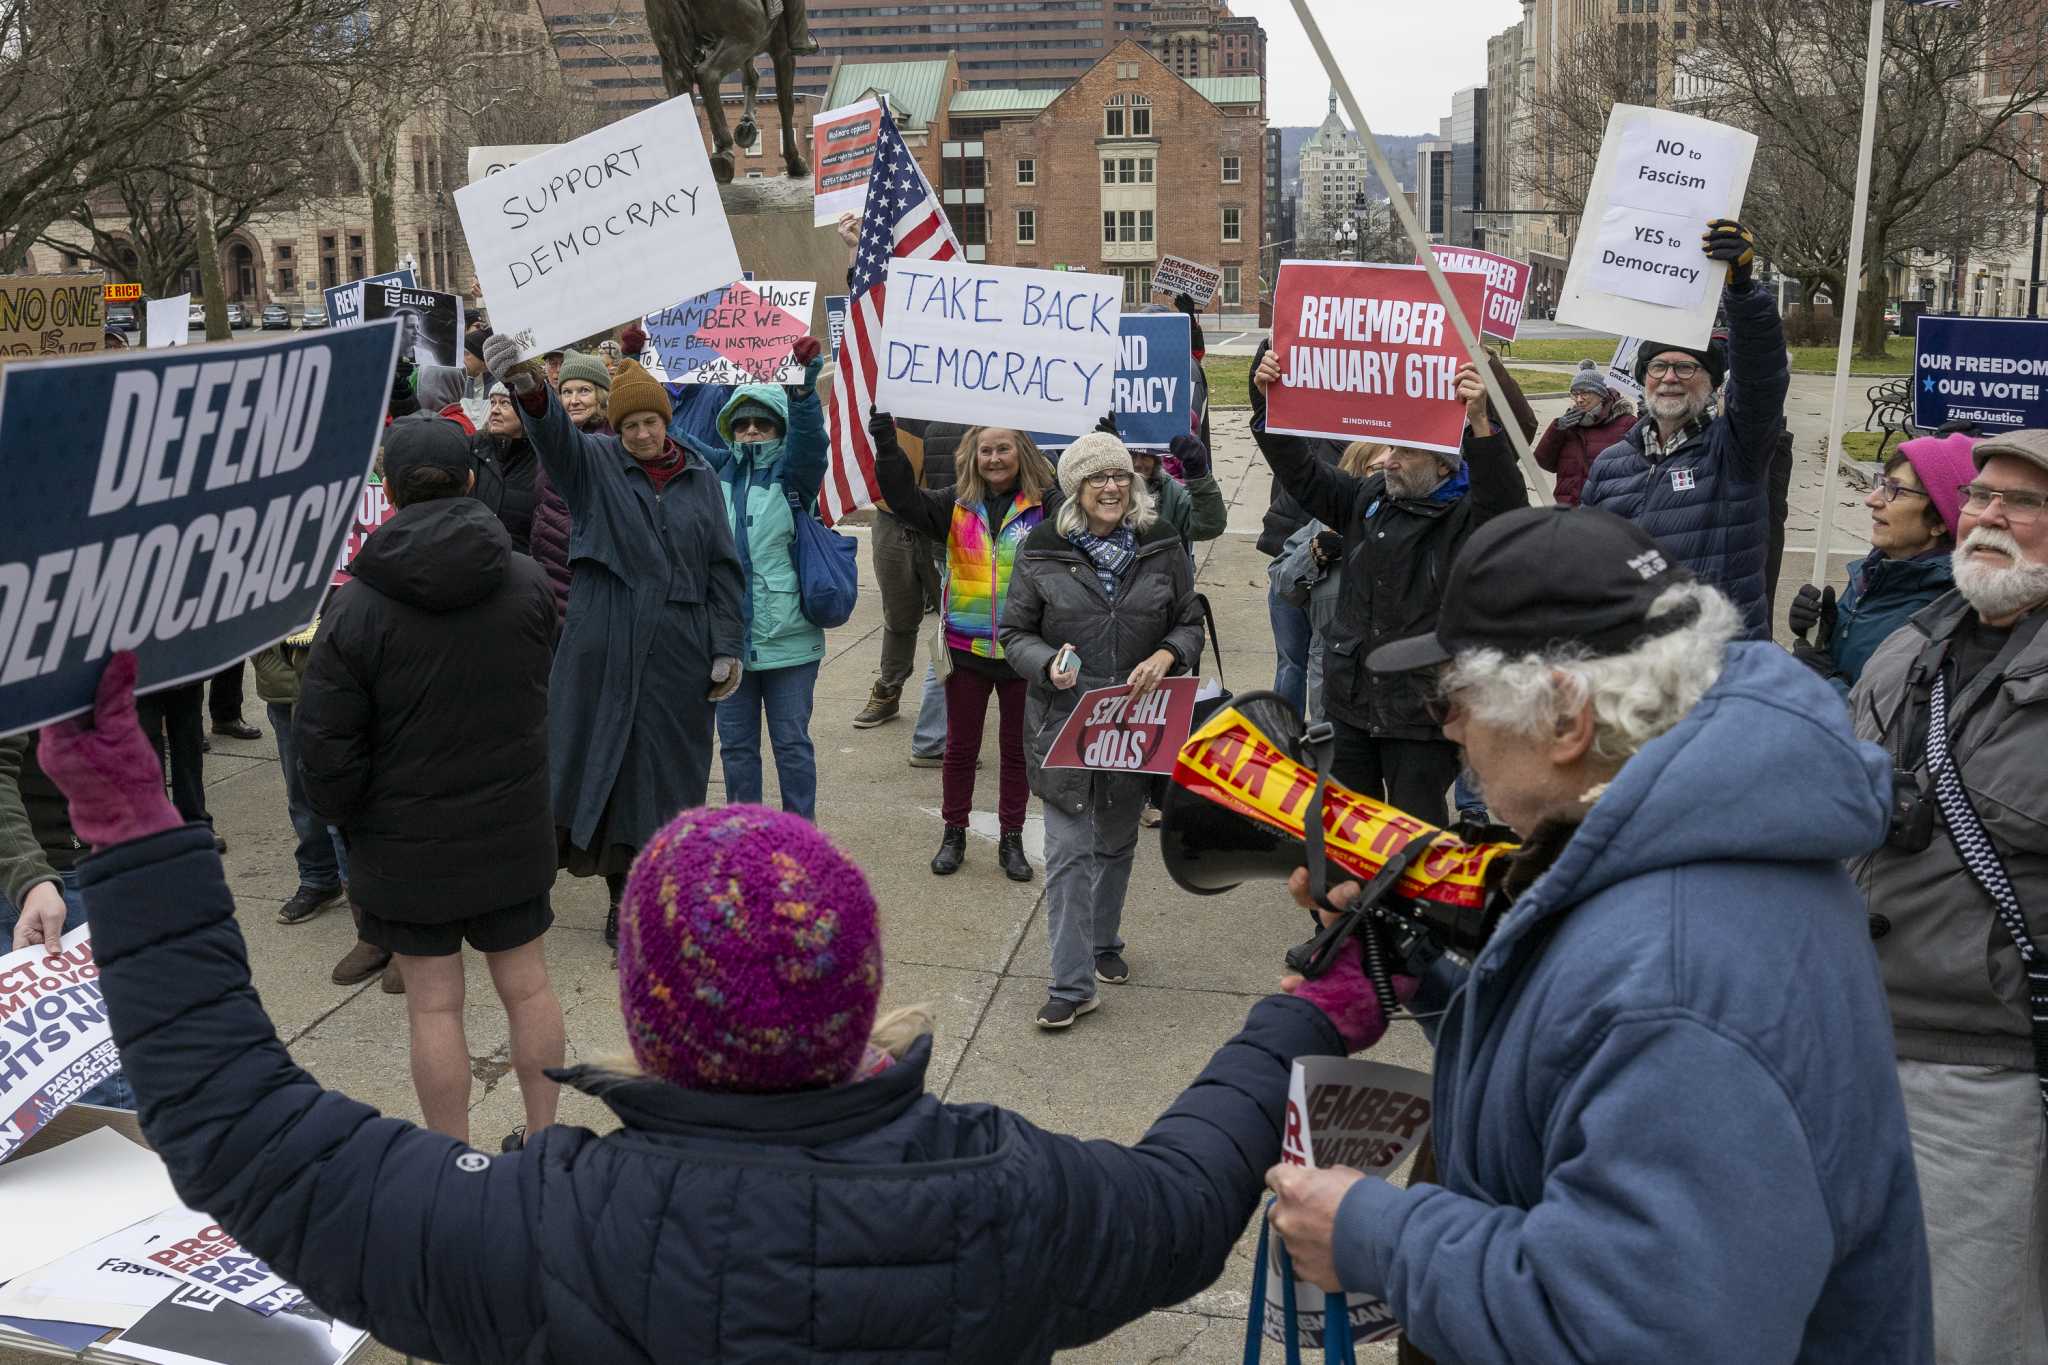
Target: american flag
x: 903, y: 222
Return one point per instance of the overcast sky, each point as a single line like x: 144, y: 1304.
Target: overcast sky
x: 1404, y: 58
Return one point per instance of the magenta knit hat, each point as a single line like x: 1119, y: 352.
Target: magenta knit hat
x: 1944, y: 465
x: 750, y: 957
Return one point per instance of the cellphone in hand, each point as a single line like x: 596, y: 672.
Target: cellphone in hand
x: 1066, y: 661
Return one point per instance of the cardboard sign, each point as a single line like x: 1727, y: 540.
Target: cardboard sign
x: 1179, y: 275
x: 1346, y: 1112
x: 52, y: 314
x: 55, y: 1043
x: 198, y: 513
x: 167, y: 322
x: 1369, y: 353
x: 1507, y: 286
x: 1110, y: 732
x: 373, y: 509
x: 836, y: 306
x: 1154, y: 383
x: 736, y: 334
x: 999, y: 346
x: 1637, y: 268
x: 345, y: 301
x: 1621, y: 370
x: 1232, y: 762
x: 121, y: 293
x: 486, y: 161
x: 571, y: 242
x: 1991, y: 371
x: 429, y: 321
x: 842, y: 156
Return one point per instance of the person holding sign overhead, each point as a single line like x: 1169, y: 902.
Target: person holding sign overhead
x: 1103, y: 594
x: 1002, y: 489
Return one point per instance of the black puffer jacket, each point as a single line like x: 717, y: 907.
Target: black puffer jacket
x: 422, y: 723
x: 1284, y: 516
x: 505, y: 472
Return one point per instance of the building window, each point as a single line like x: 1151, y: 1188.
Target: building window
x: 1233, y: 224
x: 1113, y: 117
x: 284, y: 279
x: 1109, y: 225
x: 1027, y: 227
x: 1027, y: 171
x: 1141, y: 116
x: 1232, y: 291
x: 1144, y: 225
x: 1233, y: 170
x: 1145, y: 165
x: 330, y: 267
x: 1137, y: 283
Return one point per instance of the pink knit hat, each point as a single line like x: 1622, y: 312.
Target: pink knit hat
x: 750, y: 957
x: 1944, y: 465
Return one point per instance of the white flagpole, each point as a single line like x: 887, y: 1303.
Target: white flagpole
x: 1838, y: 418
x: 1413, y: 228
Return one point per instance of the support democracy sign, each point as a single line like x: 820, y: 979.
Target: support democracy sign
x: 572, y: 241
x: 739, y: 333
x: 1637, y: 268
x: 52, y: 314
x: 1991, y: 371
x: 1179, y: 275
x: 842, y: 157
x: 54, y: 1041
x: 187, y: 505
x: 488, y: 161
x: 1154, y: 383
x: 1110, y: 731
x: 1033, y: 350
x: 1368, y: 353
x: 345, y: 301
x: 1507, y: 286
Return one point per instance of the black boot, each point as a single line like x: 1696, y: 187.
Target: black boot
x: 1010, y: 853
x: 952, y: 851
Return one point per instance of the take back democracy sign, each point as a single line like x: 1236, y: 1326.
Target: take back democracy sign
x: 571, y: 242
x: 187, y: 505
x: 1154, y: 383
x: 1368, y: 353
x: 1991, y: 371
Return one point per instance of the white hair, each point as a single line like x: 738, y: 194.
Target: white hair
x: 1997, y: 593
x: 1139, y: 516
x: 1636, y: 696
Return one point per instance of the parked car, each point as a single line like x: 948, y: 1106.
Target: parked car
x: 276, y: 318
x: 312, y: 318
x: 238, y: 317
x: 121, y: 318
x: 195, y: 318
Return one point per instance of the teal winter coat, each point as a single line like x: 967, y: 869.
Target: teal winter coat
x: 779, y: 636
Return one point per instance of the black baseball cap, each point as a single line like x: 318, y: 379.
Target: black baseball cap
x: 423, y: 440
x: 1539, y: 577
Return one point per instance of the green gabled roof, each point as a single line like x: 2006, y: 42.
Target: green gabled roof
x: 1001, y: 101
x: 1227, y: 89
x: 915, y: 87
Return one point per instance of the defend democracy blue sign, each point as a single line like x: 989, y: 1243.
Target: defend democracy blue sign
x: 1154, y: 382
x: 1991, y: 371
x: 188, y: 505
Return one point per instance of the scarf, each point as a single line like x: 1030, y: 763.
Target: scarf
x: 1112, y: 555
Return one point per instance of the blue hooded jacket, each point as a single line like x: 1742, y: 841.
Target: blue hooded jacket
x: 1668, y: 1127
x: 1882, y: 595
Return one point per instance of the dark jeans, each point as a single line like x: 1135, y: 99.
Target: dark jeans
x: 224, y: 696
x: 113, y: 1092
x: 785, y: 695
x: 175, y: 717
x: 967, y: 694
x: 907, y: 572
x: 323, y: 863
x: 1290, y: 649
x: 1413, y: 775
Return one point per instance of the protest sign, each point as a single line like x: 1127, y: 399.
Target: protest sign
x: 571, y: 242
x: 836, y: 306
x: 1991, y: 371
x: 1368, y: 353
x: 842, y: 155
x: 373, y: 509
x: 1154, y: 383
x: 1637, y: 267
x: 54, y: 1041
x: 1621, y: 370
x: 195, y: 1326
x: 1110, y: 732
x: 1507, y: 286
x: 167, y: 322
x: 345, y: 301
x: 1179, y: 275
x: 485, y: 161
x: 90, y: 1284
x: 191, y: 1247
x: 991, y: 344
x: 1345, y: 1112
x: 121, y: 293
x: 738, y: 333
x: 52, y: 314
x: 189, y: 509
x: 429, y: 321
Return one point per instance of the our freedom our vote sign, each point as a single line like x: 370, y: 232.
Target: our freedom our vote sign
x: 188, y: 505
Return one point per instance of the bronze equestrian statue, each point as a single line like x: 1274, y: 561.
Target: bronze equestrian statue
x: 704, y: 41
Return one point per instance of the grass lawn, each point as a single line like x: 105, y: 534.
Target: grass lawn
x: 1230, y: 377
x: 1805, y: 359
x: 1862, y: 445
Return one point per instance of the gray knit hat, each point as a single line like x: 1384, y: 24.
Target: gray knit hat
x: 1096, y: 453
x: 498, y: 390
x: 1589, y: 380
x: 588, y: 368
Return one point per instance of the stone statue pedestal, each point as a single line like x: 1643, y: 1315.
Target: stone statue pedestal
x: 771, y: 226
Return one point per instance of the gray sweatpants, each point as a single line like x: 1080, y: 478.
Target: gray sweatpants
x: 1979, y: 1145
x: 1087, y: 871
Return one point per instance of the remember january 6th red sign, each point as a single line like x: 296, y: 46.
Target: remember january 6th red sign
x: 1507, y: 286
x: 1111, y: 731
x: 1369, y: 353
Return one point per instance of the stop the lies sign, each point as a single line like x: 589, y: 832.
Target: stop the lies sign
x: 1112, y: 731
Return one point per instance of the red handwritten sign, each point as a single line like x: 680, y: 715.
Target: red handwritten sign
x: 1112, y: 732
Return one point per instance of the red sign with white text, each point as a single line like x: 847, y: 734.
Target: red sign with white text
x: 1110, y: 731
x: 373, y: 509
x: 1369, y: 353
x: 1507, y: 286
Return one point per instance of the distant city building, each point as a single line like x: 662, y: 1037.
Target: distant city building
x: 1468, y: 166
x: 1201, y: 38
x: 1334, y: 177
x: 1433, y: 174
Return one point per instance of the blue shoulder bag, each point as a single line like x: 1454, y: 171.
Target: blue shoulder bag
x: 827, y: 568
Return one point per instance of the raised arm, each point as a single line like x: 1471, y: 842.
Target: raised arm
x: 920, y: 509
x: 1326, y: 493
x: 1759, y: 370
x: 1210, y: 517
x: 806, y: 451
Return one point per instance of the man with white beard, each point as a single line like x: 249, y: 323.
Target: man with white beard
x: 1958, y: 900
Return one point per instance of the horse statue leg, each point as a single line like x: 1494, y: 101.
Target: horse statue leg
x: 749, y: 132
x: 785, y: 100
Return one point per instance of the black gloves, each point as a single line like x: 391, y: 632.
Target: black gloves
x: 882, y: 426
x: 1192, y: 454
x: 1107, y: 426
x: 1728, y: 240
x: 1184, y: 304
x: 1328, y: 547
x: 1819, y: 660
x: 1814, y: 607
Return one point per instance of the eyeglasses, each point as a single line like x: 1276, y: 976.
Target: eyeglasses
x: 1115, y: 476
x: 1677, y: 369
x: 1891, y: 489
x: 2021, y: 508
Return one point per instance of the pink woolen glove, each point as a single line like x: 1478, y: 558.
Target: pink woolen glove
x: 107, y: 768
x: 1346, y: 995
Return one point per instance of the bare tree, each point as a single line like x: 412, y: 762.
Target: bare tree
x: 1563, y: 118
